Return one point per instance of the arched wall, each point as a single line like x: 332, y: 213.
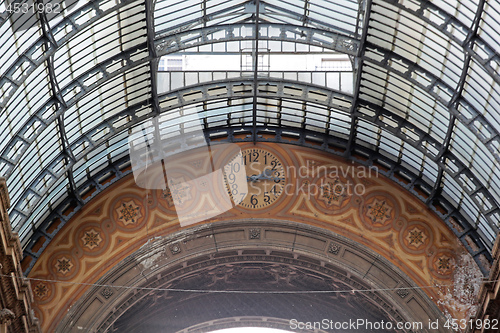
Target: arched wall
x: 269, y: 256
x: 243, y: 322
x: 384, y: 218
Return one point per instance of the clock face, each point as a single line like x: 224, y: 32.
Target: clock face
x: 265, y: 178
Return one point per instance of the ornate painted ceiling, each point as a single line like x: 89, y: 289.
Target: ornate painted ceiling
x: 117, y: 228
x: 420, y: 97
x: 416, y: 97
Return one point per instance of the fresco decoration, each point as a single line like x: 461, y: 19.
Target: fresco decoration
x: 321, y: 190
x: 91, y: 239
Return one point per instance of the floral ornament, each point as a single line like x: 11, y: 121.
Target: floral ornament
x: 379, y: 211
x: 175, y: 248
x: 333, y: 192
x: 443, y: 264
x: 63, y: 265
x: 203, y: 183
x: 254, y: 233
x: 197, y: 164
x: 334, y: 248
x: 416, y: 237
x: 128, y: 212
x: 402, y: 292
x: 91, y: 239
x: 107, y: 292
x: 41, y: 290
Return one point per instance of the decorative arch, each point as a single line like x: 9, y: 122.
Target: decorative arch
x: 248, y: 256
x: 390, y: 224
x: 60, y: 179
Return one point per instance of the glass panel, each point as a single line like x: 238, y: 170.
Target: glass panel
x: 104, y: 75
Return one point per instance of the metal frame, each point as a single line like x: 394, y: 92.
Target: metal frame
x: 255, y: 69
x: 304, y: 136
x: 240, y: 12
x: 60, y: 105
x: 29, y: 55
x: 467, y: 44
x: 309, y: 32
x: 52, y: 43
x: 183, y: 40
x: 414, y: 71
x: 303, y: 139
x: 359, y: 60
x: 153, y: 57
x: 451, y: 22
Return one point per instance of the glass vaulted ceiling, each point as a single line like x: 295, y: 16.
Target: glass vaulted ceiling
x: 419, y: 98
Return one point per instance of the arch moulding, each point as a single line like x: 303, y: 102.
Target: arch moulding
x: 380, y: 237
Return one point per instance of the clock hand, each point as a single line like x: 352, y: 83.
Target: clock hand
x: 265, y: 175
x: 254, y: 178
x: 251, y: 178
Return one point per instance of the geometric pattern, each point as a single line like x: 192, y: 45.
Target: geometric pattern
x: 128, y: 212
x: 107, y: 292
x: 64, y: 265
x: 416, y: 237
x: 402, y: 292
x: 113, y: 225
x: 379, y: 211
x: 334, y: 248
x: 180, y: 191
x: 254, y: 233
x: 175, y: 249
x: 443, y: 264
x: 41, y: 290
x: 166, y: 194
x: 333, y: 192
x: 91, y: 239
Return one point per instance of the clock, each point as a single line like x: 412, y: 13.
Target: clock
x: 261, y: 183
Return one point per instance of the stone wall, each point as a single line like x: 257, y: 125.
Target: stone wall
x: 16, y: 297
x: 489, y: 298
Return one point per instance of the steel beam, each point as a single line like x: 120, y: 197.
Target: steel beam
x: 305, y: 17
x: 60, y: 105
x: 235, y: 32
x: 227, y: 89
x: 58, y: 212
x: 255, y: 70
x: 439, y: 159
x: 153, y: 57
x: 192, y: 23
x: 57, y: 98
x: 129, y: 57
x: 302, y: 134
x: 466, y: 44
x: 309, y: 93
x: 185, y: 39
x: 302, y: 93
x: 413, y: 71
x: 322, y: 25
x: 358, y: 61
x: 31, y: 56
x: 447, y: 24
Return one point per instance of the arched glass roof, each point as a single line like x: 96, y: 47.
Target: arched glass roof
x: 420, y: 98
